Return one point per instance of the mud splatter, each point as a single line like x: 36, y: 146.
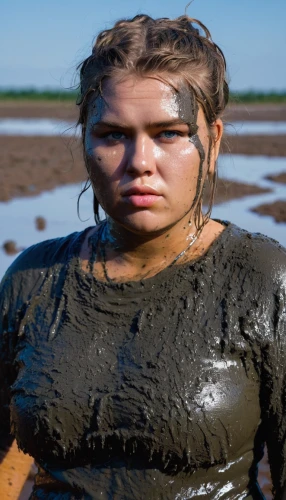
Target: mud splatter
x: 188, y: 112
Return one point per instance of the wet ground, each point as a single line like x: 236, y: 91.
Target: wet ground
x: 31, y: 165
x: 68, y: 111
x: 277, y: 210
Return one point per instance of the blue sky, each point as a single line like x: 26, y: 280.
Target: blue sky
x: 43, y: 41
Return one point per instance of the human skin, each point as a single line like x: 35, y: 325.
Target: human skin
x: 137, y: 135
x: 14, y: 469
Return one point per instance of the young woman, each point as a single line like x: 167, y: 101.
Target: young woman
x: 144, y: 358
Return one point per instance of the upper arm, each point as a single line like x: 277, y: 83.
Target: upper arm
x: 23, y: 281
x: 8, y: 336
x: 273, y: 386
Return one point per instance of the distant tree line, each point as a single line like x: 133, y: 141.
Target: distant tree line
x: 251, y: 96
x: 31, y: 94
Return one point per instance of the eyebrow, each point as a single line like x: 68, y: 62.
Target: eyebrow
x: 161, y: 124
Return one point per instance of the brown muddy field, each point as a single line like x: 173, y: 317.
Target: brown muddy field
x: 277, y: 210
x: 30, y: 165
x: 69, y: 111
x: 281, y: 178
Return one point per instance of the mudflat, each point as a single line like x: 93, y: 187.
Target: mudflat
x: 69, y: 111
x: 30, y: 165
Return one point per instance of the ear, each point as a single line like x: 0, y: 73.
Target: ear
x: 216, y: 133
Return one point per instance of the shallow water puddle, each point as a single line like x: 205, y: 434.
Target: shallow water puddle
x: 255, y: 128
x: 252, y: 170
x: 36, y: 127
x: 58, y: 207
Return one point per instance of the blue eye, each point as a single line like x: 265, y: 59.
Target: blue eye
x: 169, y: 134
x: 116, y: 136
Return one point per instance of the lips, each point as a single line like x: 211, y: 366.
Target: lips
x: 141, y: 196
x: 141, y: 190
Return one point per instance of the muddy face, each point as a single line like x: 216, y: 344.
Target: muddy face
x: 142, y: 133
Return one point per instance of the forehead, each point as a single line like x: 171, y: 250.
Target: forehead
x: 134, y: 95
x: 143, y: 99
x: 135, y: 87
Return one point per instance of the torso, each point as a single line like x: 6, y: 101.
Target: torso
x: 143, y: 386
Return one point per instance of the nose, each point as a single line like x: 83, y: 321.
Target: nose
x: 140, y: 156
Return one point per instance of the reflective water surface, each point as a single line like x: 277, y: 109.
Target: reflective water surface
x: 35, y: 126
x: 255, y: 128
x: 253, y: 170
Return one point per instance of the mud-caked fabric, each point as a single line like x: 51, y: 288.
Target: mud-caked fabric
x: 166, y: 388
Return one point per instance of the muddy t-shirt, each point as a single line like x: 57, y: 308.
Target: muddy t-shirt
x: 166, y: 388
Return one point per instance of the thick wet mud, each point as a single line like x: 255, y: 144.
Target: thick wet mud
x: 149, y: 405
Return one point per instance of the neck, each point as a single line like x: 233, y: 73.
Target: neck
x: 147, y: 250
x: 113, y: 254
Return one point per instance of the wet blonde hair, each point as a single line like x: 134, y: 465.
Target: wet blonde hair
x: 144, y: 46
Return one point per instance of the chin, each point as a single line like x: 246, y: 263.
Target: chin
x: 143, y: 224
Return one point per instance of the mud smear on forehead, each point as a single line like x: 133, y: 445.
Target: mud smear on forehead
x: 188, y: 109
x: 96, y: 108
